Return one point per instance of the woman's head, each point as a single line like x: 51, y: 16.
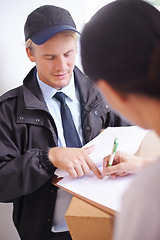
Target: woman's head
x: 121, y: 44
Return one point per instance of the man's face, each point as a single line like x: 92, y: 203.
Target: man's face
x: 55, y: 60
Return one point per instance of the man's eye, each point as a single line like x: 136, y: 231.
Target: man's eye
x: 50, y: 57
x: 68, y: 54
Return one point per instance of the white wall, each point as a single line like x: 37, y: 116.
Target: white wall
x: 14, y: 64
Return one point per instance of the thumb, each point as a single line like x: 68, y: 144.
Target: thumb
x: 111, y: 170
x: 88, y: 150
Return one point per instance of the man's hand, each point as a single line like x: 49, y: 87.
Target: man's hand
x: 74, y: 160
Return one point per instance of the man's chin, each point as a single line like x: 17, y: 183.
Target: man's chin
x: 61, y: 84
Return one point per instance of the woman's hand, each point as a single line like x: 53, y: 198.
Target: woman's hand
x: 123, y: 164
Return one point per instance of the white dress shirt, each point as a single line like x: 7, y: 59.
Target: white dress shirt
x: 72, y: 100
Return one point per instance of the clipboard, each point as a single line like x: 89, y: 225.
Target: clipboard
x: 149, y: 147
x: 110, y: 211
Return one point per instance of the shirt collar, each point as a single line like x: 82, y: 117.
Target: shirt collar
x: 48, y: 91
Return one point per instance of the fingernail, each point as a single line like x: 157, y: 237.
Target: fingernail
x: 101, y: 176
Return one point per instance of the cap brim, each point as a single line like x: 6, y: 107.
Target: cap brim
x: 41, y: 37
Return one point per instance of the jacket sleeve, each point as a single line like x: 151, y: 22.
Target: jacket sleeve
x: 21, y: 171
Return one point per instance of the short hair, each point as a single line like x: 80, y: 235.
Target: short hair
x: 30, y: 44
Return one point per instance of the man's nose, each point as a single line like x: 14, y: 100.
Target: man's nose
x: 60, y: 64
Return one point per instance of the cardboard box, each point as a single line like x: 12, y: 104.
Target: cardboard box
x: 87, y: 222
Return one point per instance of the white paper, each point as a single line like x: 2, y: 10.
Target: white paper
x: 129, y: 140
x: 107, y: 192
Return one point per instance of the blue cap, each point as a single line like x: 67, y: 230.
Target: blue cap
x: 46, y: 21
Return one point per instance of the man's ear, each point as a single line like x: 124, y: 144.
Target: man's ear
x: 30, y: 55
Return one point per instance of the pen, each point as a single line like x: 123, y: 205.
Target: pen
x: 113, y: 153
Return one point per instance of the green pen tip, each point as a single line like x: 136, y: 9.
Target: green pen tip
x: 116, y: 141
x: 115, y: 145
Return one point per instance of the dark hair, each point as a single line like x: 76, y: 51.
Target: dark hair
x: 121, y: 44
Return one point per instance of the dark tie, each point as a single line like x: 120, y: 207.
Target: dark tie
x: 69, y: 130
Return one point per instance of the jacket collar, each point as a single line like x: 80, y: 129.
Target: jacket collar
x: 89, y: 94
x: 33, y: 97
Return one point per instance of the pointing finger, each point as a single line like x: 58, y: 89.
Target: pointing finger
x: 88, y: 150
x: 94, y: 168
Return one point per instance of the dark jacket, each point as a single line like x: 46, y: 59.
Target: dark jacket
x: 27, y: 131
